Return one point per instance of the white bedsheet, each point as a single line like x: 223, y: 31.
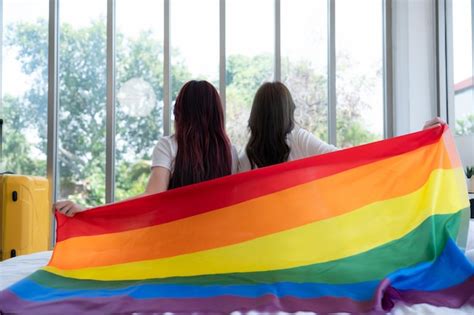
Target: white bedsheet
x: 14, y: 269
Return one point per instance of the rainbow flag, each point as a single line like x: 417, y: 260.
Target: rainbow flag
x: 351, y: 231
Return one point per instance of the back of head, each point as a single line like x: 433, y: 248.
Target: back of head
x: 271, y: 120
x: 203, y: 147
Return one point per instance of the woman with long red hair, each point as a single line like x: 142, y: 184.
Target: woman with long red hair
x: 199, y: 150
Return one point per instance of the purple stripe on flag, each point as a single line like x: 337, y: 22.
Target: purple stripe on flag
x: 454, y: 297
x: 223, y: 304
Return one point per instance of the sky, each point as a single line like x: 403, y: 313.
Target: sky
x: 249, y: 30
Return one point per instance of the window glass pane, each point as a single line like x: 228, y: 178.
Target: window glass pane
x: 24, y: 86
x: 462, y: 63
x: 82, y: 98
x: 194, y: 27
x: 463, y: 82
x: 250, y: 50
x: 139, y: 94
x: 359, y: 71
x: 304, y: 61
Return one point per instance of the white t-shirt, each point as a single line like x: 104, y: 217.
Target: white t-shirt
x: 164, y: 154
x: 302, y: 144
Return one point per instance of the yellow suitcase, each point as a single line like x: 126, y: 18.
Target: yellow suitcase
x: 25, y: 215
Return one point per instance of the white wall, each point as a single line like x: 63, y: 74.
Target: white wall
x: 414, y: 62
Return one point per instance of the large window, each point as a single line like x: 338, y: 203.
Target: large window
x: 139, y: 91
x: 463, y: 85
x: 250, y: 60
x: 160, y: 44
x: 194, y: 44
x: 359, y: 68
x: 194, y: 41
x: 24, y: 86
x: 462, y: 68
x: 304, y: 61
x: 82, y: 96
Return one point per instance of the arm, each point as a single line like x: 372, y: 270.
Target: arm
x: 158, y: 181
x: 310, y: 145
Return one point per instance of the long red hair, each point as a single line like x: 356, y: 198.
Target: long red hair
x: 204, y: 149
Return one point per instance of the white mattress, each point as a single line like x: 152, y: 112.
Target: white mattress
x: 14, y: 269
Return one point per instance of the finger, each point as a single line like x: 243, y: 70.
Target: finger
x: 65, y: 209
x: 71, y: 212
x: 62, y: 204
x: 67, y: 212
x: 433, y: 125
x: 63, y: 212
x: 74, y: 209
x: 58, y: 205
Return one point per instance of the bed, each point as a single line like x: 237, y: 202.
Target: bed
x: 14, y: 269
